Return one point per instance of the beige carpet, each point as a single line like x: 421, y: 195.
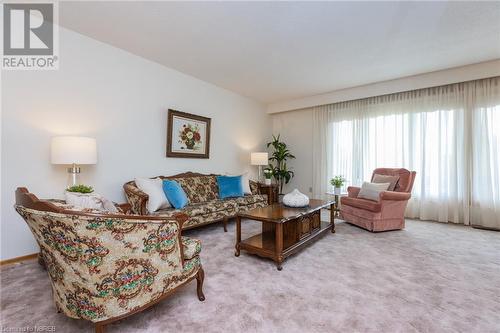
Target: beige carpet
x: 430, y: 277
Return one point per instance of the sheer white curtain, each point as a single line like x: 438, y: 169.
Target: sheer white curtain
x: 428, y: 131
x: 485, y: 199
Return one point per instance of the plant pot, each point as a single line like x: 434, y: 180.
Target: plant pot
x: 267, y: 181
x: 83, y: 200
x: 336, y: 190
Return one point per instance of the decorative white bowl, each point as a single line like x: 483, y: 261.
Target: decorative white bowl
x: 295, y: 199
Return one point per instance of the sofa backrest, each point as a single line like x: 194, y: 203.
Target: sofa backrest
x: 198, y: 187
x: 406, y: 177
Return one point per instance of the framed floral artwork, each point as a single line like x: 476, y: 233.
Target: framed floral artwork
x: 188, y: 135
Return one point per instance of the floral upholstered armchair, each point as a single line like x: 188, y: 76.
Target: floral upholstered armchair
x: 106, y: 267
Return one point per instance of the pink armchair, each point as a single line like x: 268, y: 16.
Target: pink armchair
x: 385, y: 214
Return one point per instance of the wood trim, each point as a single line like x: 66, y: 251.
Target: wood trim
x: 170, y: 153
x: 19, y: 259
x: 188, y: 174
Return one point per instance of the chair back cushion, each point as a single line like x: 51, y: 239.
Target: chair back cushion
x: 392, y: 180
x: 230, y: 186
x: 406, y: 177
x: 371, y: 191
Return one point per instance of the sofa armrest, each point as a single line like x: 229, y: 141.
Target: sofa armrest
x: 254, y: 187
x: 352, y: 191
x: 136, y: 198
x: 125, y: 208
x: 394, y: 196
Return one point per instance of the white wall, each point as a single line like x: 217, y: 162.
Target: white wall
x: 426, y: 80
x: 121, y: 100
x: 295, y: 128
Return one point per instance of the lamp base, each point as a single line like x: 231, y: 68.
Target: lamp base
x: 260, y: 174
x: 74, y: 175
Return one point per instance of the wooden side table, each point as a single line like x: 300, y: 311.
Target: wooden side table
x: 336, y: 205
x: 271, y: 191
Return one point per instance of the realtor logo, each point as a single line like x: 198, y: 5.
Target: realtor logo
x: 29, y: 36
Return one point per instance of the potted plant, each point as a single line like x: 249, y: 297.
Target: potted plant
x: 279, y: 156
x: 337, y: 182
x: 82, y: 196
x: 267, y: 175
x: 83, y: 189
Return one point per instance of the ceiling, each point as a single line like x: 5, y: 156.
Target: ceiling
x: 278, y: 51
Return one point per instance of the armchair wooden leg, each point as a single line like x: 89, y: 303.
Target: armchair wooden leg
x: 199, y: 284
x: 99, y: 328
x: 224, y: 221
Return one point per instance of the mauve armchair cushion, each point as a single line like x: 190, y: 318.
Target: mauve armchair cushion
x: 370, y: 205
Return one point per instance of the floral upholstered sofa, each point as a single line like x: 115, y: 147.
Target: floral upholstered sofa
x: 104, y: 267
x: 204, y: 204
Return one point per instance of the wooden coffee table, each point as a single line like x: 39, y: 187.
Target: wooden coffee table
x: 285, y: 230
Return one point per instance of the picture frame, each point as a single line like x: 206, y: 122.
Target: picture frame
x: 188, y: 135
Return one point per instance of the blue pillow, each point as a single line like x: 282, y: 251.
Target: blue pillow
x: 230, y: 186
x: 175, y: 194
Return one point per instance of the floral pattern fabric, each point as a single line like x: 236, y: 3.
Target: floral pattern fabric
x: 136, y: 198
x: 200, y: 209
x: 252, y: 206
x: 101, y: 268
x: 62, y: 204
x: 199, y: 189
x: 250, y: 199
x: 190, y: 247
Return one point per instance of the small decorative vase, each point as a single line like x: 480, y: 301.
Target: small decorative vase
x: 295, y: 199
x: 336, y: 190
x: 267, y: 181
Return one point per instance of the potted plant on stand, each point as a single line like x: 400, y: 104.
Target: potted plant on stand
x: 279, y: 156
x: 337, y: 182
x: 268, y: 174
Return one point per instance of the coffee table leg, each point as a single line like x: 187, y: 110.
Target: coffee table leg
x: 238, y: 236
x: 279, y: 246
x: 332, y: 216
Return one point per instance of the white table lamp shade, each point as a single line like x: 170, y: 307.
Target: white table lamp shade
x: 73, y: 150
x: 259, y: 158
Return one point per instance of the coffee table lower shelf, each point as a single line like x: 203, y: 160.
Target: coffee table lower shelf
x: 265, y: 245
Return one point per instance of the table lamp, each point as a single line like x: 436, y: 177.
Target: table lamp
x: 74, y: 151
x: 259, y: 159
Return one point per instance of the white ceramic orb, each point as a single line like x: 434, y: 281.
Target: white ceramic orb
x: 295, y: 199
